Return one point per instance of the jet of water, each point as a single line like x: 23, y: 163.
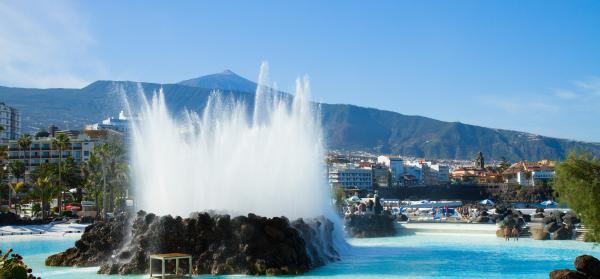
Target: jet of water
x: 268, y: 160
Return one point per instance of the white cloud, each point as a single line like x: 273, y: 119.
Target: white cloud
x: 565, y: 94
x: 519, y: 105
x: 582, y: 90
x: 45, y: 44
x: 590, y: 85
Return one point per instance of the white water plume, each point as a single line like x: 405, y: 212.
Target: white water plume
x: 268, y: 161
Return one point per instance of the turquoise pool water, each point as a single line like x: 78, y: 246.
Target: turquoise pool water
x: 413, y: 256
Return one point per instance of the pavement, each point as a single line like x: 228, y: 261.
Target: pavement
x: 52, y: 229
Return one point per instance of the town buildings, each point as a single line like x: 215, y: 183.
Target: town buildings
x: 521, y: 173
x: 381, y: 175
x: 402, y: 171
x: 41, y: 151
x: 10, y: 120
x: 441, y: 172
x: 119, y: 124
x: 388, y: 171
x: 478, y: 173
x: 529, y: 173
x: 396, y: 168
x: 351, y: 176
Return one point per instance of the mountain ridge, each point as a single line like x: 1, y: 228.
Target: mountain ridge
x: 345, y: 126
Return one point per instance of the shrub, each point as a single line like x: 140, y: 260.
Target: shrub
x: 13, y: 266
x: 578, y: 184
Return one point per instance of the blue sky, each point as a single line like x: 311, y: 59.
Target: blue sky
x: 524, y: 65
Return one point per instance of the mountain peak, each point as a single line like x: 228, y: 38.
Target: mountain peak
x: 228, y: 72
x: 226, y: 80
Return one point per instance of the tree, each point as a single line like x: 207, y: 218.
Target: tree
x: 4, y: 168
x: 42, y: 133
x: 17, y: 169
x: 115, y: 172
x: 578, y: 184
x: 43, y: 186
x: 60, y: 142
x: 92, y: 178
x: 339, y: 196
x: 44, y: 178
x: 71, y: 176
x: 24, y: 143
x: 17, y: 188
x: 504, y: 165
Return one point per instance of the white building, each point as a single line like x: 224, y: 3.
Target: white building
x: 541, y: 176
x: 120, y: 124
x: 42, y: 152
x: 423, y: 172
x: 529, y: 173
x: 381, y: 175
x: 10, y: 120
x: 350, y: 176
x: 443, y: 173
x: 415, y: 169
x: 396, y: 165
x: 533, y: 178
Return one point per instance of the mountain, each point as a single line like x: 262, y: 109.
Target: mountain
x: 358, y: 128
x: 224, y: 81
x: 346, y: 127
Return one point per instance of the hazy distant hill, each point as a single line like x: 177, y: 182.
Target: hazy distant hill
x: 346, y: 126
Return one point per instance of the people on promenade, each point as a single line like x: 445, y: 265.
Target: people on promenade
x: 515, y: 234
x: 507, y: 232
x: 362, y: 208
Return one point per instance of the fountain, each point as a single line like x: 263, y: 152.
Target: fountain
x: 233, y: 163
x: 268, y: 161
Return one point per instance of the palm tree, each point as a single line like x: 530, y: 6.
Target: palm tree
x: 119, y: 178
x: 17, y: 188
x: 114, y: 172
x: 105, y: 158
x: 17, y: 169
x: 92, y: 173
x: 71, y: 176
x: 43, y: 185
x: 44, y: 178
x: 4, y: 168
x: 60, y: 142
x: 24, y: 143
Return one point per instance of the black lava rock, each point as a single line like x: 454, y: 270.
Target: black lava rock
x: 370, y: 225
x: 219, y: 244
x: 589, y: 265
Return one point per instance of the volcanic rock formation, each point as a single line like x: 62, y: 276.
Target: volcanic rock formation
x: 587, y: 267
x: 370, y: 225
x: 218, y: 244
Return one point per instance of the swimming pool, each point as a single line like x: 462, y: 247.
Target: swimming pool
x: 412, y: 256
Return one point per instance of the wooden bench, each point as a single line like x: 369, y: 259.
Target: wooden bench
x: 171, y: 256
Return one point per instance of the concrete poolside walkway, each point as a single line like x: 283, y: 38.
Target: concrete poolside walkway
x: 46, y: 229
x: 446, y: 228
